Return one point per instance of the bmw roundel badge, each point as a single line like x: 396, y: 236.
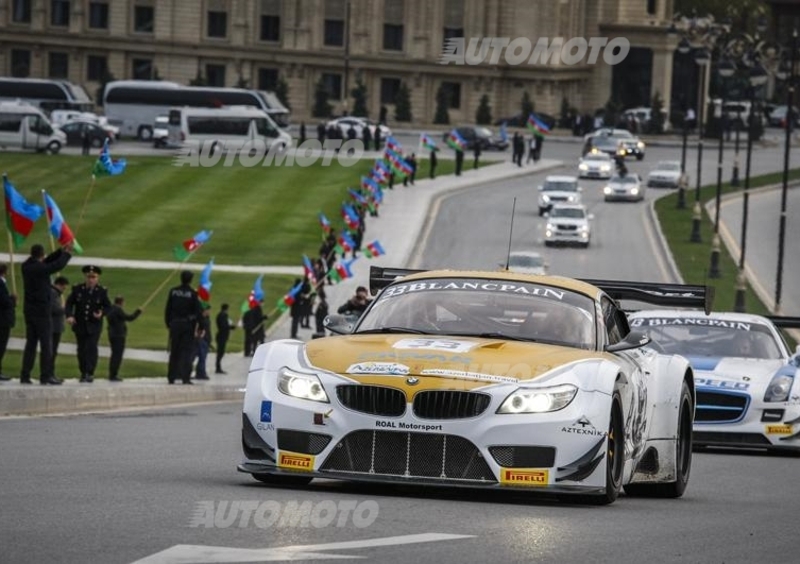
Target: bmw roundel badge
x: 412, y: 381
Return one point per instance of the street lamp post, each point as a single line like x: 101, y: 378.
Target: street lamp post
x: 726, y: 69
x: 785, y: 184
x: 684, y: 48
x: 757, y: 79
x: 347, y: 57
x: 702, y: 58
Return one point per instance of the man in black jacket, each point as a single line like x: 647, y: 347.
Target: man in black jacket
x: 8, y: 316
x: 181, y: 317
x: 57, y: 310
x: 36, y: 271
x: 117, y: 335
x: 86, y: 306
x: 224, y: 328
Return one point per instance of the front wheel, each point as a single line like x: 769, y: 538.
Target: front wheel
x: 683, y: 455
x: 145, y: 133
x: 53, y: 147
x: 282, y: 480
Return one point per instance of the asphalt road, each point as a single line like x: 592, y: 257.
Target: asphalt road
x: 158, y: 487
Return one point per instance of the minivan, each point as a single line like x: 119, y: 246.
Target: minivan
x: 26, y: 127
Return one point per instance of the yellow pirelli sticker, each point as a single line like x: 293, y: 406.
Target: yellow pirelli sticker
x: 779, y: 429
x: 295, y: 461
x: 532, y: 477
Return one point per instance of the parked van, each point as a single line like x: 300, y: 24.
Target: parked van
x: 26, y: 127
x: 227, y: 128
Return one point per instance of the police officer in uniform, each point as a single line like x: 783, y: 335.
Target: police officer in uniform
x: 86, y: 306
x: 181, y: 316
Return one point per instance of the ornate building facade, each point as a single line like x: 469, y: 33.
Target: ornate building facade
x: 382, y: 43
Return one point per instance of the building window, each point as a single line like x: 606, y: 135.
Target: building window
x: 20, y: 63
x: 333, y: 85
x: 217, y: 24
x: 215, y: 75
x: 96, y: 67
x: 270, y: 20
x: 453, y: 19
x: 453, y: 90
x: 335, y: 14
x: 652, y: 5
x: 267, y: 79
x: 59, y: 13
x: 389, y: 89
x: 142, y: 69
x: 393, y: 18
x: 21, y: 11
x: 98, y: 15
x: 143, y: 18
x: 58, y: 65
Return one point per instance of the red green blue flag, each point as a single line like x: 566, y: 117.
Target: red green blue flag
x: 256, y: 296
x: 427, y: 143
x: 290, y: 297
x: 537, y: 126
x: 455, y: 141
x: 398, y: 163
x: 106, y: 166
x: 185, y: 250
x: 21, y: 215
x: 58, y: 226
x: 344, y: 243
x: 324, y: 223
x: 374, y: 249
x: 393, y: 144
x: 350, y: 217
x: 204, y: 289
x: 308, y: 270
x: 341, y: 271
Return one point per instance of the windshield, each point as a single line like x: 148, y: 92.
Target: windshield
x: 597, y: 157
x: 575, y: 213
x: 479, y: 307
x: 624, y: 180
x: 561, y: 186
x: 525, y: 260
x: 708, y: 337
x: 669, y: 166
x: 483, y: 132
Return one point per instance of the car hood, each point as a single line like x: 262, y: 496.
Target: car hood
x: 568, y: 221
x: 665, y: 173
x: 620, y: 185
x: 439, y: 362
x: 560, y: 193
x: 596, y: 164
x: 734, y: 373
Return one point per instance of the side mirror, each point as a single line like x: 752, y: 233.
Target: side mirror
x: 340, y: 324
x: 634, y: 340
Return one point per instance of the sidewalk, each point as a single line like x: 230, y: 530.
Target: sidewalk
x: 402, y: 217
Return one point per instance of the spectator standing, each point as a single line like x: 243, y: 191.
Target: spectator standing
x: 86, y: 142
x: 36, y: 271
x: 302, y: 137
x: 537, y: 148
x: 118, y: 334
x: 433, y: 162
x: 366, y: 137
x: 377, y: 138
x: 202, y: 340
x: 477, y: 153
x: 299, y: 306
x: 224, y: 328
x: 8, y: 316
x: 531, y: 149
x: 253, y: 326
x: 57, y: 308
x: 459, y: 161
x: 321, y: 132
x: 181, y: 317
x: 321, y: 312
x: 86, y: 306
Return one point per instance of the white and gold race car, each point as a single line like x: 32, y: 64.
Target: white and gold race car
x: 480, y: 379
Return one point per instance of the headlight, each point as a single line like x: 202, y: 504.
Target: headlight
x: 634, y: 191
x: 541, y: 400
x: 583, y: 166
x: 778, y: 389
x: 584, y: 228
x: 545, y: 198
x: 571, y: 198
x: 303, y: 386
x: 549, y: 227
x: 605, y: 168
x: 640, y: 144
x: 607, y: 190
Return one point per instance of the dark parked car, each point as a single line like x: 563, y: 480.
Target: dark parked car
x: 474, y: 134
x: 518, y: 121
x: 97, y: 135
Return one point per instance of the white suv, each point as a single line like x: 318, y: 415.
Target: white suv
x: 558, y: 190
x: 568, y: 224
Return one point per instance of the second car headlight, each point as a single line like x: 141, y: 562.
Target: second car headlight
x: 539, y: 400
x: 583, y: 166
x: 779, y: 388
x: 640, y: 144
x: 302, y: 386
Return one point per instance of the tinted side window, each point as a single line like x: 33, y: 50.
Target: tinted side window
x: 218, y: 126
x: 611, y: 320
x: 10, y: 122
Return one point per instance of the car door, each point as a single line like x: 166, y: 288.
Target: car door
x: 73, y: 133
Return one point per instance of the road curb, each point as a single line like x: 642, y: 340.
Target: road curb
x: 666, y: 252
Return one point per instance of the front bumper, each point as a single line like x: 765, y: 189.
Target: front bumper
x: 772, y: 426
x: 632, y: 151
x: 596, y: 173
x: 663, y: 182
x: 623, y: 197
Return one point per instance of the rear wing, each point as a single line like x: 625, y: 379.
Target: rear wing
x: 784, y: 322
x: 675, y: 295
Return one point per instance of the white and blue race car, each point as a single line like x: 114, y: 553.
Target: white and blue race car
x: 748, y: 394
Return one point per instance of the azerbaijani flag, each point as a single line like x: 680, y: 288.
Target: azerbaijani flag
x: 398, y: 164
x: 191, y: 245
x: 324, y: 223
x: 20, y: 214
x: 58, y: 227
x: 537, y: 126
x: 503, y: 132
x: 344, y: 243
x: 381, y: 172
x: 455, y: 141
x: 374, y: 249
x: 350, y: 217
x: 256, y: 295
x: 341, y: 271
x: 204, y: 289
x: 308, y: 269
x: 393, y: 144
x: 358, y: 197
x: 105, y: 166
x: 369, y: 184
x: 427, y: 143
x: 289, y: 298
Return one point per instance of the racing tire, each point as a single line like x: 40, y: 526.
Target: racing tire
x: 615, y: 459
x: 53, y: 148
x: 683, y: 456
x: 282, y: 480
x: 145, y: 133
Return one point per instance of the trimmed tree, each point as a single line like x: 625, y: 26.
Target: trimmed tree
x: 611, y: 113
x: 359, y: 94
x: 565, y: 113
x: 402, y: 104
x: 322, y: 108
x: 442, y: 102
x: 483, y: 116
x: 526, y: 107
x: 282, y: 92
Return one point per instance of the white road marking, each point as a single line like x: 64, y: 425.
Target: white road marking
x: 199, y: 554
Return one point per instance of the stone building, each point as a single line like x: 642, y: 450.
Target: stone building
x: 380, y: 42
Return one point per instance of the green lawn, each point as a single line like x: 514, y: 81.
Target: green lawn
x: 67, y: 366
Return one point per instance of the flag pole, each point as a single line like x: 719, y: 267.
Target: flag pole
x: 85, y: 202
x: 47, y: 215
x: 164, y: 282
x: 11, y: 263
